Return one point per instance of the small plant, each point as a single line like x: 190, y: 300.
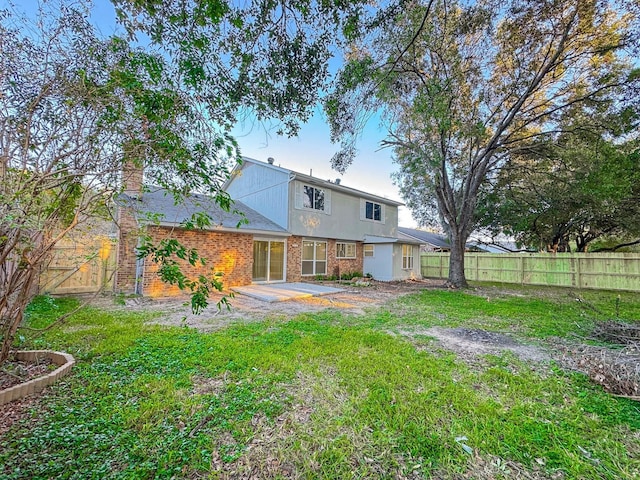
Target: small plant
x: 326, y: 278
x: 350, y: 275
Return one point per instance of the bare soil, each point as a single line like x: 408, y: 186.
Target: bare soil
x: 469, y: 343
x: 353, y: 300
x: 14, y: 372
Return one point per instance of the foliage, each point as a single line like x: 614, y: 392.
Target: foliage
x: 581, y: 184
x: 268, y: 57
x: 327, y: 396
x: 80, y: 110
x: 77, y: 108
x: 462, y: 85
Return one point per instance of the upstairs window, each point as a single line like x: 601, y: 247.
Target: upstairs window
x: 371, y: 211
x: 310, y: 197
x: 313, y: 197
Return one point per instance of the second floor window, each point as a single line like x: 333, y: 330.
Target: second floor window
x: 313, y: 198
x: 373, y: 211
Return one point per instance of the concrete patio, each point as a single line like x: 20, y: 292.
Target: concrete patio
x: 279, y: 292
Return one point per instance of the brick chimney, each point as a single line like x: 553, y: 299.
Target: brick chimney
x: 126, y: 280
x: 132, y: 175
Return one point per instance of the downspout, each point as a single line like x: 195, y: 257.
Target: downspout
x: 139, y: 281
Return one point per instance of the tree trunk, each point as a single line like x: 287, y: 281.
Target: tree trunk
x: 457, y: 278
x: 16, y: 295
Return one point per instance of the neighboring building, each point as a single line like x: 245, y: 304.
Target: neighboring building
x: 299, y: 227
x: 430, y: 242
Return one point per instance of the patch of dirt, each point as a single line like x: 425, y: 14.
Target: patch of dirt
x: 15, y: 372
x: 469, y: 343
x: 352, y: 300
x: 12, y: 412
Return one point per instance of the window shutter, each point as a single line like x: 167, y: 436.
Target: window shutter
x: 362, y: 209
x: 298, y: 195
x: 327, y: 202
x: 382, y: 212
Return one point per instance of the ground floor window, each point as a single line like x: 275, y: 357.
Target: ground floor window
x: 314, y: 258
x: 368, y: 250
x: 407, y: 257
x: 345, y: 250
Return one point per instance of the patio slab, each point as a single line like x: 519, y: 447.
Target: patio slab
x: 279, y: 292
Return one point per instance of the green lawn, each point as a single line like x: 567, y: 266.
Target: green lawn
x: 327, y: 396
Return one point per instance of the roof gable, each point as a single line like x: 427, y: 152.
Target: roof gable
x: 328, y: 184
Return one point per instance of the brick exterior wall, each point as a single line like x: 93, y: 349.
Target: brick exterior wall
x: 294, y: 259
x: 335, y: 266
x: 226, y: 252
x: 339, y: 266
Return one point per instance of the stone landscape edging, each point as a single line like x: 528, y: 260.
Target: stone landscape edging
x: 36, y: 385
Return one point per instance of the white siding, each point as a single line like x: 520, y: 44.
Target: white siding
x: 264, y: 189
x: 398, y: 272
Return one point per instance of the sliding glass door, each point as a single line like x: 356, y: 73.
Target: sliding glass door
x: 268, y: 260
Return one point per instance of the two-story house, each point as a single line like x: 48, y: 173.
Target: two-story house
x: 333, y: 229
x: 299, y: 227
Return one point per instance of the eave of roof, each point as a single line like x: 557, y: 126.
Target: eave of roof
x: 317, y: 181
x: 425, y: 237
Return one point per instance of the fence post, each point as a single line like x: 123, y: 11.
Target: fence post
x: 522, y: 270
x: 578, y: 276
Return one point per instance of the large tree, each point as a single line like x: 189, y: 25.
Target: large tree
x: 77, y: 109
x: 463, y: 84
x: 578, y: 186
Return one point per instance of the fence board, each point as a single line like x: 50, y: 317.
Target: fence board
x: 76, y: 268
x: 609, y: 271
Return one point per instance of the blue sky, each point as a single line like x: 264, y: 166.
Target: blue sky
x: 310, y: 151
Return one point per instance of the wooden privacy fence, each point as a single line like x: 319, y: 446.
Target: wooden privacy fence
x: 79, y: 267
x: 609, y: 271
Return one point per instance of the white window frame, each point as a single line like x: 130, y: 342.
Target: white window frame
x: 315, y: 260
x: 363, y: 211
x: 300, y: 196
x: 407, y: 257
x: 347, y: 247
x: 369, y: 250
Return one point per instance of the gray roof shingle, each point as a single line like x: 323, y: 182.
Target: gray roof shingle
x: 426, y: 237
x: 160, y: 202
